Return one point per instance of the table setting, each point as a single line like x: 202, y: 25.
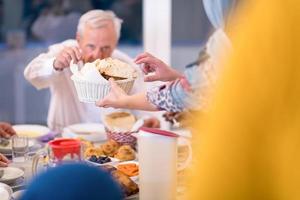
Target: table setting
x: 148, y: 159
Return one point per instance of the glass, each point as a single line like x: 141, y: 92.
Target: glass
x: 20, y: 149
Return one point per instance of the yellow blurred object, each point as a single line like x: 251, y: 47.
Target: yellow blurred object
x: 30, y: 134
x: 248, y: 145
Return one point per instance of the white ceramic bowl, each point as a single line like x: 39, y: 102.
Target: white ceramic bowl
x: 11, y: 174
x: 93, y: 132
x: 5, y: 192
x: 31, y: 130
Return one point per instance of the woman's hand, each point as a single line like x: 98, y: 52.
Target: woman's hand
x: 151, y: 122
x: 3, y: 161
x: 158, y: 69
x: 116, y: 98
x: 6, y: 130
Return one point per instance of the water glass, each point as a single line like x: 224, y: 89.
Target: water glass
x: 20, y: 149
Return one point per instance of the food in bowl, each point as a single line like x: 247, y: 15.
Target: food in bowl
x: 118, y: 127
x: 119, y: 121
x: 30, y: 134
x: 99, y: 159
x: 110, y: 148
x: 91, y: 82
x: 93, y: 151
x: 129, y: 187
x: 130, y: 169
x: 116, y: 69
x: 125, y: 153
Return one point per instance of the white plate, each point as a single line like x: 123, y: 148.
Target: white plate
x: 16, y: 195
x: 93, y: 132
x: 113, y: 162
x: 134, y: 178
x: 11, y: 174
x: 5, y: 192
x: 134, y: 196
x: 31, y: 130
x: 7, y: 149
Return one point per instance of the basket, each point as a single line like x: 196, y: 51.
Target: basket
x: 90, y: 92
x: 123, y: 138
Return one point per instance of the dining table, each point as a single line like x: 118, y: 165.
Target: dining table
x: 27, y: 167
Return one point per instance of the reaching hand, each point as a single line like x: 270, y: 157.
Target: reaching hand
x: 6, y: 130
x: 158, y: 69
x: 65, y: 56
x: 116, y: 98
x: 3, y: 161
x: 151, y: 123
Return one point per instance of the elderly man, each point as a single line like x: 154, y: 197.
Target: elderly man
x: 97, y: 36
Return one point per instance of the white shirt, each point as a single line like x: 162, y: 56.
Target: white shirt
x: 65, y: 108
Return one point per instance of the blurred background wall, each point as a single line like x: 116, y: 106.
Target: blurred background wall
x: 28, y: 27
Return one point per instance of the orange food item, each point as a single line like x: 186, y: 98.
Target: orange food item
x: 129, y: 169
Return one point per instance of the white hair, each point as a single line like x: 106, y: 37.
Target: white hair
x: 97, y: 18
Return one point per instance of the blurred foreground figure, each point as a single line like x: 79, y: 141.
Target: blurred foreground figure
x: 249, y: 145
x: 73, y: 182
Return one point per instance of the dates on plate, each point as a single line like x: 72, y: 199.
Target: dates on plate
x: 99, y: 159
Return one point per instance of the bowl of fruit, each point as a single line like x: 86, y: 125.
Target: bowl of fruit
x: 101, y: 160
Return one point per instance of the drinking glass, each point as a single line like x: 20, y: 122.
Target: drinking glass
x: 19, y: 149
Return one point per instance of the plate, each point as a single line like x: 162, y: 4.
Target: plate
x: 134, y: 196
x: 94, y: 132
x: 17, y: 194
x: 134, y: 178
x: 7, y: 149
x: 31, y: 130
x: 5, y: 192
x: 11, y: 174
x: 113, y: 162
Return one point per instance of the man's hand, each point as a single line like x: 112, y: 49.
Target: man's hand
x: 65, y: 56
x: 116, y: 98
x: 6, y: 130
x: 3, y: 161
x: 151, y: 123
x: 158, y: 69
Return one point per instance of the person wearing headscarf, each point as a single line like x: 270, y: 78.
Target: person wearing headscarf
x: 181, y: 92
x: 249, y: 144
x: 73, y: 182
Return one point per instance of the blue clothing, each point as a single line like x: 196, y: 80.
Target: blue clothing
x: 73, y: 182
x: 218, y: 11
